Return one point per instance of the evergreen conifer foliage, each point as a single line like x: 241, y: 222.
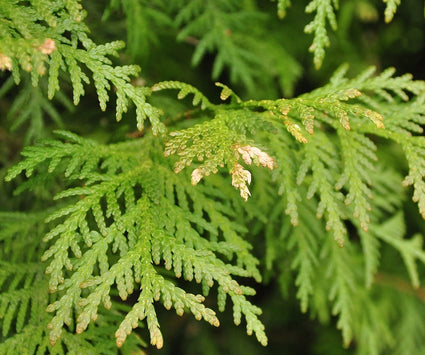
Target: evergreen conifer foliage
x: 215, y: 193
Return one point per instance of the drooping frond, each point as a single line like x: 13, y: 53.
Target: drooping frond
x: 324, y: 12
x: 42, y: 44
x: 341, y: 175
x: 282, y: 5
x: 340, y: 170
x: 24, y: 295
x: 285, y: 175
x: 387, y: 200
x: 320, y: 157
x: 342, y: 292
x: 30, y: 33
x: 391, y: 9
x: 303, y: 242
x: 358, y: 154
x: 414, y: 149
x: 214, y: 143
x: 401, y: 126
x: 134, y: 211
x: 377, y: 94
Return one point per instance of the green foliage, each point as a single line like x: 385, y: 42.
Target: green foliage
x: 324, y: 12
x: 214, y: 22
x: 220, y: 27
x: 30, y: 106
x: 153, y: 227
x: 282, y: 5
x: 227, y: 199
x: 27, y: 44
x: 148, y: 15
x: 390, y: 9
x: 25, y: 295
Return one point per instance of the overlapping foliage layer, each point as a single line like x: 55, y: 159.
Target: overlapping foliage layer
x: 210, y: 196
